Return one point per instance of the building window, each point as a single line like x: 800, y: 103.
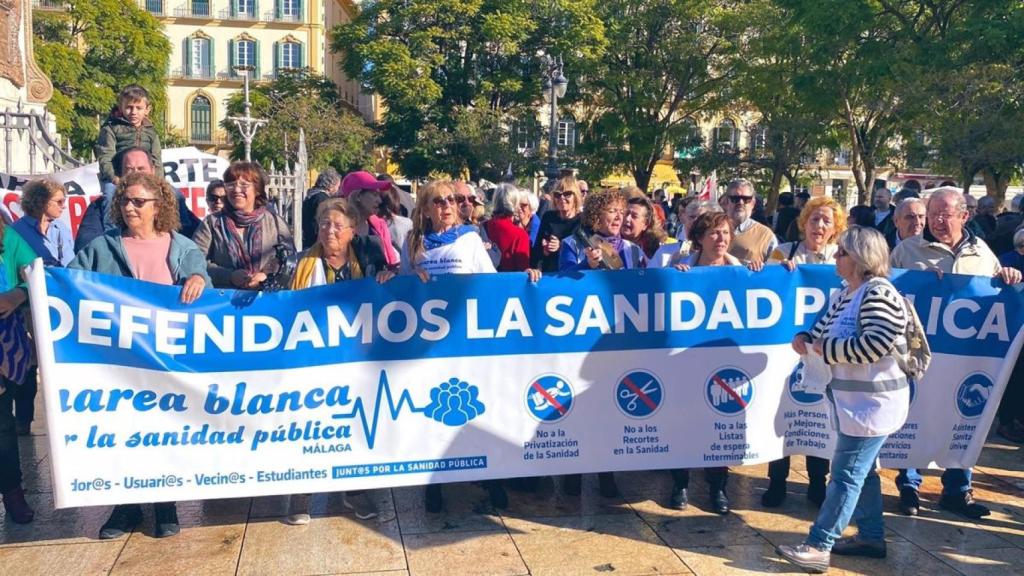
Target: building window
x: 291, y: 55
x: 245, y: 53
x: 200, y: 58
x: 201, y: 119
x: 526, y: 133
x: 155, y: 6
x: 566, y: 136
x: 758, y: 141
x: 289, y: 10
x: 245, y: 8
x: 726, y: 137
x: 200, y: 7
x: 690, y: 140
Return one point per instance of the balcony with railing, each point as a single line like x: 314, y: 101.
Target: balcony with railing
x: 200, y: 9
x: 194, y: 10
x: 211, y: 75
x: 54, y: 5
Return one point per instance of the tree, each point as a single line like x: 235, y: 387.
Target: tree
x: 90, y: 51
x: 668, y: 62
x: 436, y: 61
x: 776, y: 80
x: 302, y: 99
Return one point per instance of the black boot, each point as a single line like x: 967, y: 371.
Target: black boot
x: 17, y: 508
x: 496, y: 494
x: 775, y: 495
x: 165, y: 520
x: 606, y: 485
x: 123, y: 519
x: 719, y: 501
x: 433, y: 500
x: 816, y: 491
x: 679, y: 499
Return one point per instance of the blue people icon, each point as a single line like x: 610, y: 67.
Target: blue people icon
x: 972, y: 395
x: 454, y: 403
x: 798, y: 388
x: 549, y: 398
x: 639, y: 394
x: 729, y: 391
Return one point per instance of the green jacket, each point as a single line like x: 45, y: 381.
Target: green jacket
x: 116, y: 136
x: 16, y: 255
x: 106, y: 255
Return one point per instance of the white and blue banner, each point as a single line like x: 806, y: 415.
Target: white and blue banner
x: 359, y: 385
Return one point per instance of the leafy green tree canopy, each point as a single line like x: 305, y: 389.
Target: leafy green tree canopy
x: 90, y: 51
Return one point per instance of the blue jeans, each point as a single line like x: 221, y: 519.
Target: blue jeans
x: 954, y: 480
x: 854, y: 493
x: 108, y: 189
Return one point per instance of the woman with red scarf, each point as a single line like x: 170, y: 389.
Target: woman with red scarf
x: 240, y: 241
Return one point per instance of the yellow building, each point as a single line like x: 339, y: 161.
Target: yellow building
x: 210, y: 39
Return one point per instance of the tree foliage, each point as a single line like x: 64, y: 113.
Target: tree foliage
x: 90, y: 51
x: 302, y: 99
x: 439, y: 63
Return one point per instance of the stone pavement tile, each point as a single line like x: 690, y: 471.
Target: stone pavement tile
x: 734, y: 560
x: 78, y: 559
x: 699, y: 528
x: 37, y: 477
x: 375, y: 573
x: 32, y: 449
x: 792, y: 521
x: 206, y: 546
x: 903, y: 558
x: 994, y: 562
x: 321, y: 504
x: 942, y: 531
x: 464, y: 553
x: 327, y: 545
x: 550, y: 500
x: 70, y: 525
x: 465, y: 509
x: 623, y: 544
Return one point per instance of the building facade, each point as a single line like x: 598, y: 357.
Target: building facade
x: 216, y: 42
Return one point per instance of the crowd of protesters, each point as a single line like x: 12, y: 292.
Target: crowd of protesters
x: 362, y: 226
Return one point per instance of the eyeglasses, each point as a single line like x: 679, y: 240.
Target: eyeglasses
x: 944, y: 217
x: 460, y: 199
x: 137, y: 202
x: 561, y: 194
x: 444, y: 200
x: 216, y: 199
x: 60, y: 202
x: 333, y: 226
x: 737, y: 198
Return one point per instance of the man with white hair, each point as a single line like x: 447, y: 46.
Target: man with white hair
x: 909, y: 221
x: 751, y: 240
x: 947, y: 246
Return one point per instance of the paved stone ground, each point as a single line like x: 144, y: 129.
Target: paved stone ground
x: 543, y: 533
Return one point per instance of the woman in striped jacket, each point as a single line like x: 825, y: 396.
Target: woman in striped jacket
x: 856, y: 338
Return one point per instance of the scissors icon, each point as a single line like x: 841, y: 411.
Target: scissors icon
x: 633, y: 395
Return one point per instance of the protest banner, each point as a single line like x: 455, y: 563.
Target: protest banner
x: 355, y: 385
x: 187, y: 169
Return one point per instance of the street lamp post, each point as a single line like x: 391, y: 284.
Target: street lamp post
x: 247, y: 125
x: 555, y: 85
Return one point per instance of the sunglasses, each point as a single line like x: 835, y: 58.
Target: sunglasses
x: 444, y: 200
x: 737, y: 198
x: 460, y: 199
x: 137, y: 202
x: 561, y: 194
x: 216, y: 199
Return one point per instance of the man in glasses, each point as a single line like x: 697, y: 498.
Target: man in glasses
x: 751, y: 241
x: 132, y: 160
x: 947, y: 246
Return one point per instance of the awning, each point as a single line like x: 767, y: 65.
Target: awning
x: 663, y: 176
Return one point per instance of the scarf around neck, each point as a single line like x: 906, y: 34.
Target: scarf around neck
x: 438, y: 239
x: 246, y: 252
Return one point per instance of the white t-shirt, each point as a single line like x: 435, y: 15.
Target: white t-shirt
x: 466, y: 255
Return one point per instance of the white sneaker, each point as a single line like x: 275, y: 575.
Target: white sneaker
x: 360, y: 503
x: 298, y: 510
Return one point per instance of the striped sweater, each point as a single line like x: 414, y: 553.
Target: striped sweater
x: 881, y: 322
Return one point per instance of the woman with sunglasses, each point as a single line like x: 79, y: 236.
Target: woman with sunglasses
x: 216, y: 196
x: 241, y: 241
x: 42, y: 202
x: 557, y: 224
x: 441, y: 244
x: 146, y: 246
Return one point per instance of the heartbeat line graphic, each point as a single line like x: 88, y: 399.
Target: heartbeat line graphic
x: 394, y: 409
